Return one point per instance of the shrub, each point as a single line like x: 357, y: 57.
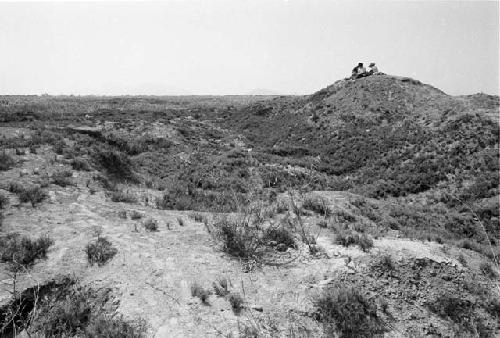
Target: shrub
x: 33, y: 194
x: 462, y: 312
x: 123, y: 196
x: 6, y: 161
x: 4, y: 201
x: 80, y: 164
x: 122, y: 214
x: 346, y: 238
x: 365, y: 242
x: 100, y: 251
x: 196, y: 216
x: 135, y: 215
x: 345, y: 217
x: 238, y: 237
x: 198, y: 291
x: 280, y: 235
x: 221, y: 287
x: 323, y: 224
x: 15, y: 187
x: 72, y: 311
x: 151, y: 225
x: 347, y: 312
x: 318, y: 205
x: 180, y: 221
x: 386, y: 263
x: 21, y: 251
x: 237, y: 302
x: 487, y: 269
x: 62, y: 178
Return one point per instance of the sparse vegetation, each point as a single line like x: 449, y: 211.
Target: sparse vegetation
x: 100, y: 251
x: 123, y: 196
x: 487, y: 269
x: 62, y: 178
x: 200, y: 292
x: 22, y: 251
x: 221, y: 287
x: 237, y: 302
x: 318, y: 205
x: 81, y: 164
x: 151, y: 225
x: 4, y: 201
x: 135, y: 215
x: 33, y: 194
x: 347, y: 312
x: 6, y: 161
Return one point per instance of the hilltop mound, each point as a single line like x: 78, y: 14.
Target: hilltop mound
x: 385, y: 136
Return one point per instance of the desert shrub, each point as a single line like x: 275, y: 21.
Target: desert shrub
x: 462, y: 260
x: 281, y: 206
x: 462, y: 312
x: 21, y: 251
x: 239, y: 238
x: 237, y: 302
x: 117, y: 164
x: 151, y: 225
x: 80, y: 164
x: 196, y: 216
x: 135, y: 215
x: 123, y: 196
x: 280, y: 235
x: 323, y: 224
x: 73, y: 311
x: 6, y: 161
x: 345, y: 217
x: 318, y: 205
x: 4, y: 201
x: 346, y: 238
x: 386, y: 263
x: 200, y: 292
x: 347, y: 312
x: 15, y: 187
x: 487, y: 269
x: 122, y: 214
x: 100, y: 251
x: 63, y: 178
x: 365, y: 242
x: 33, y: 194
x: 180, y: 221
x: 221, y: 287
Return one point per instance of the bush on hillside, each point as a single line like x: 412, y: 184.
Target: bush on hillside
x: 6, y: 161
x: 100, y: 251
x: 32, y: 194
x: 348, y: 313
x: 21, y: 251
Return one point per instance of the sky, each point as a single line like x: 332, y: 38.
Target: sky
x: 237, y: 46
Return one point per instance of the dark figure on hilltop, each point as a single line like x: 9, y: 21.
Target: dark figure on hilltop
x: 373, y: 69
x: 358, y: 71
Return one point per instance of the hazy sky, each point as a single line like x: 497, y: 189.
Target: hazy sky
x: 233, y: 47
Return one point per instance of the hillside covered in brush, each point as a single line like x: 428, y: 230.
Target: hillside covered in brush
x: 255, y: 216
x: 387, y: 137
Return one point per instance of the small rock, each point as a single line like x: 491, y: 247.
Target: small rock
x: 36, y: 171
x: 24, y: 172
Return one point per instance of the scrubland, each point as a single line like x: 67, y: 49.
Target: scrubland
x: 367, y: 209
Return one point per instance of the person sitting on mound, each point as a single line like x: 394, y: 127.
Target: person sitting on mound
x: 373, y: 69
x: 358, y: 71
